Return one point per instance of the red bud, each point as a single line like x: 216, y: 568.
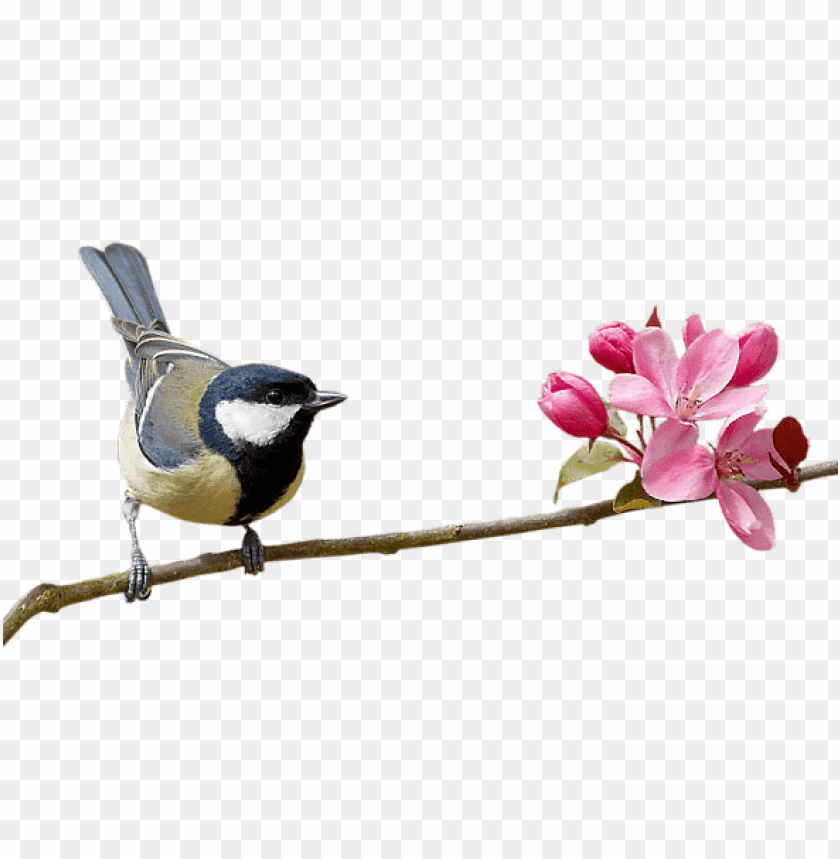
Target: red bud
x: 790, y: 442
x: 653, y: 322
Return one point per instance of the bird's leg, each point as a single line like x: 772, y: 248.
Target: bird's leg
x: 138, y: 578
x: 253, y: 552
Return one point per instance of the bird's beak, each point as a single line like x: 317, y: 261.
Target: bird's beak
x: 326, y: 399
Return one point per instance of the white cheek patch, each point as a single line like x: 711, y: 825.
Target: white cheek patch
x: 257, y: 423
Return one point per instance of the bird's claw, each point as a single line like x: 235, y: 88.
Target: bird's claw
x: 253, y: 552
x: 138, y: 578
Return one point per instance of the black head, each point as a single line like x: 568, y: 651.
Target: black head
x: 256, y: 408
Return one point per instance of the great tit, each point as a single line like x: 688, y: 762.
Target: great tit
x: 200, y: 440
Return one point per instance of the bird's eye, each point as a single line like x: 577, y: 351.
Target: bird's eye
x: 274, y: 397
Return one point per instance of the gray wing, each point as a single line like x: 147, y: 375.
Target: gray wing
x: 168, y: 423
x: 171, y: 377
x: 162, y: 346
x: 166, y: 375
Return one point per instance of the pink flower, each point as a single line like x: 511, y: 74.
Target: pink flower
x: 758, y: 348
x: 611, y: 345
x: 691, y: 389
x: 572, y: 404
x: 676, y: 468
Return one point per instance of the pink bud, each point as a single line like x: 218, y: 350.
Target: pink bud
x: 611, y: 345
x: 572, y: 404
x: 759, y: 347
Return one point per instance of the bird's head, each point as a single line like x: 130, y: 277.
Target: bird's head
x: 258, y: 407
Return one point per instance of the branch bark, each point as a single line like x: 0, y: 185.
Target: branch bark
x: 53, y: 598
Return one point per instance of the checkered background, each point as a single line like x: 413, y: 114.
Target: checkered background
x: 427, y: 207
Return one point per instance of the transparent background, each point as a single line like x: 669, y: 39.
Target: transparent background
x: 428, y: 207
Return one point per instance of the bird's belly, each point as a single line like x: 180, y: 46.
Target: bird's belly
x: 204, y: 490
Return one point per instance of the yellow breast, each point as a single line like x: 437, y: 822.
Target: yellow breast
x: 204, y: 490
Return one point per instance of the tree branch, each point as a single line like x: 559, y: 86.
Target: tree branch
x: 53, y: 598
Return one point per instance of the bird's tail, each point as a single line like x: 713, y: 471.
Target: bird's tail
x: 123, y: 276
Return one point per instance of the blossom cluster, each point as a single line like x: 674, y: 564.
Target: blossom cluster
x: 714, y: 378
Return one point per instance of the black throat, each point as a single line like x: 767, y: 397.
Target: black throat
x: 265, y: 474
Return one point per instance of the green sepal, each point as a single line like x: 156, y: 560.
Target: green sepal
x: 615, y: 419
x: 585, y: 462
x: 632, y: 496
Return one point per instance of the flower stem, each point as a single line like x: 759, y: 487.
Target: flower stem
x: 640, y: 432
x: 609, y: 432
x: 790, y: 476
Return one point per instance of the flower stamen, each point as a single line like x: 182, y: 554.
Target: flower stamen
x: 729, y: 465
x: 686, y: 404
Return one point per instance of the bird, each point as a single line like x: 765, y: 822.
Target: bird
x: 201, y: 440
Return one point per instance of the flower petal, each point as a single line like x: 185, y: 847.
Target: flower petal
x: 747, y: 514
x: 655, y: 358
x: 637, y: 394
x: 670, y: 437
x: 708, y: 365
x: 692, y: 329
x: 730, y: 403
x: 756, y: 462
x: 675, y: 467
x: 737, y: 429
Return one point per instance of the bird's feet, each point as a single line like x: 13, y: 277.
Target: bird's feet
x: 253, y: 552
x: 138, y: 578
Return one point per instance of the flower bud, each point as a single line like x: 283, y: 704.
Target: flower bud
x: 653, y: 322
x: 759, y: 347
x: 572, y: 404
x: 792, y: 446
x: 611, y: 345
x: 790, y: 441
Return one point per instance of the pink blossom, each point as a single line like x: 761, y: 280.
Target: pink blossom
x: 690, y: 389
x: 758, y: 348
x: 572, y: 404
x: 676, y: 468
x: 611, y: 345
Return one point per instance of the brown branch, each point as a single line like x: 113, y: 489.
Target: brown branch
x: 53, y: 598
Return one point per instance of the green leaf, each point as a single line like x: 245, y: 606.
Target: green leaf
x: 615, y: 420
x: 632, y: 496
x: 585, y: 462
